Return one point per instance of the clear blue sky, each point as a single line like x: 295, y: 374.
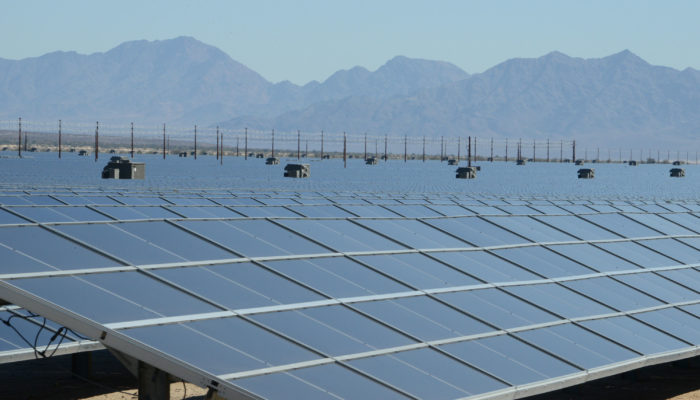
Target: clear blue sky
x: 309, y: 40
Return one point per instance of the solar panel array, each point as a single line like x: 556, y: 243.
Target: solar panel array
x: 359, y: 295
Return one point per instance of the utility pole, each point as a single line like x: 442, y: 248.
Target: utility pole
x: 195, y: 142
x: 474, y: 148
x: 442, y: 148
x: 345, y: 148
x: 574, y: 152
x: 19, y: 140
x: 273, y: 143
x: 405, y: 148
x: 533, y: 151
x: 459, y: 147
x: 59, y: 138
x: 506, y: 149
x: 423, y: 148
x: 132, y: 140
x: 163, y: 141
x: 245, y: 151
x: 547, y: 149
x: 386, y: 141
x: 321, y: 144
x: 221, y: 148
x: 298, y: 144
x: 217, y: 142
x: 365, y: 146
x: 97, y: 139
x: 491, y: 148
x: 469, y: 152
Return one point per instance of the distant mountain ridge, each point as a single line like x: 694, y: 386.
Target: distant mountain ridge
x: 183, y: 80
x: 619, y: 100
x: 612, y: 100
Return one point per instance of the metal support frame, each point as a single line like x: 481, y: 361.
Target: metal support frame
x: 153, y: 383
x: 81, y: 364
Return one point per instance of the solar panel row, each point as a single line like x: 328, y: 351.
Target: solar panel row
x: 444, y: 300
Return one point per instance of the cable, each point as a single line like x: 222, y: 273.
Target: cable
x: 36, y: 340
x: 62, y: 333
x: 9, y: 323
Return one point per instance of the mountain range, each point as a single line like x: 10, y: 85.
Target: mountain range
x: 616, y: 100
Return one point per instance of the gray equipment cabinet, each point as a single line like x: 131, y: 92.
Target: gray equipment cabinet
x: 121, y: 168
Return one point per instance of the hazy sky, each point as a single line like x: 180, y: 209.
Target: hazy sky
x: 309, y: 40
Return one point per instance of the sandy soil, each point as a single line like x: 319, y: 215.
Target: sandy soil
x: 51, y: 379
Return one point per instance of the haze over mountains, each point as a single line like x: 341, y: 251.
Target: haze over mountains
x: 619, y: 100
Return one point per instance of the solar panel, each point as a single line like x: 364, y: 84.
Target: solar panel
x: 267, y: 297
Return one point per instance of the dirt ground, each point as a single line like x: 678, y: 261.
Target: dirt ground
x: 51, y: 379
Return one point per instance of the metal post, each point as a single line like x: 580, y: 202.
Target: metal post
x: 132, y: 140
x: 459, y: 148
x: 345, y: 148
x: 506, y: 149
x: 365, y: 147
x: 97, y: 139
x: 574, y: 152
x: 163, y: 141
x: 491, y: 148
x: 195, y: 142
x: 221, y: 148
x: 405, y: 148
x: 81, y: 364
x: 442, y: 148
x: 238, y: 141
x: 423, y: 148
x: 469, y: 152
x: 153, y: 383
x: 245, y: 151
x: 386, y: 139
x: 298, y: 144
x: 19, y: 141
x: 59, y: 138
x: 474, y: 148
x: 217, y: 142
